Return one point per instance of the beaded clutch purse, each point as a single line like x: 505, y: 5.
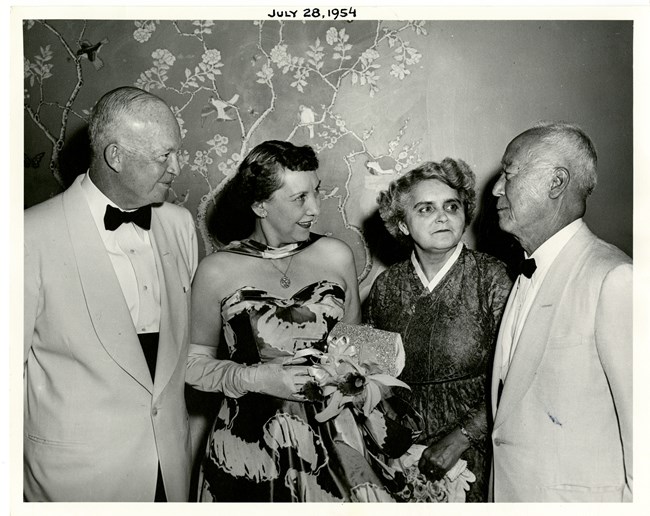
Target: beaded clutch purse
x: 381, y: 347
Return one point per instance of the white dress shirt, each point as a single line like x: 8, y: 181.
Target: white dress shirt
x: 430, y: 285
x: 525, y: 290
x: 130, y: 249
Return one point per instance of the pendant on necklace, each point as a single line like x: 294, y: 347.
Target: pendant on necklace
x: 285, y: 282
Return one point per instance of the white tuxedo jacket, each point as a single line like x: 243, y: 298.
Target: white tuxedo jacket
x: 95, y: 425
x: 563, y: 428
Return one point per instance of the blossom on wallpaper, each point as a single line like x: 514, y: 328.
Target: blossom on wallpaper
x: 219, y: 144
x: 208, y: 68
x: 282, y: 59
x: 145, y: 28
x: 338, y: 39
x: 201, y: 161
x: 163, y: 58
x: 279, y: 56
x: 229, y: 167
x: 211, y: 57
x: 156, y: 76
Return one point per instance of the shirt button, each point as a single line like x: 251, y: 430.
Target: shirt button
x: 154, y: 412
x: 145, y: 288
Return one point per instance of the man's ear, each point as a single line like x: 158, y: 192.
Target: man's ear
x: 403, y: 228
x: 559, y: 182
x: 113, y: 156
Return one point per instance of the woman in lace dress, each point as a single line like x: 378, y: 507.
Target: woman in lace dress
x: 254, y: 305
x: 446, y: 301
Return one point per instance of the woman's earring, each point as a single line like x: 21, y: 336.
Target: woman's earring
x: 263, y: 213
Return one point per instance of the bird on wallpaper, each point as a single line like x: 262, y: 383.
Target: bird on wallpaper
x: 90, y: 52
x: 218, y: 106
x: 307, y: 117
x: 375, y: 168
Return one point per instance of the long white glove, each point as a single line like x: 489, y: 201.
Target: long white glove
x: 206, y: 373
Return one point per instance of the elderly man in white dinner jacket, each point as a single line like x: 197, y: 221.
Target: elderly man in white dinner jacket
x: 562, y: 378
x: 107, y: 316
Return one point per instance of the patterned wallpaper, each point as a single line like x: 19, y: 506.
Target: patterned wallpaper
x: 374, y: 99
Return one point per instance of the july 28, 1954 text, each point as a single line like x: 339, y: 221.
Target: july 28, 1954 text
x: 332, y: 13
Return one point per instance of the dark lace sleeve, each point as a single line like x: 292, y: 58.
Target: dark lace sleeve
x: 371, y: 305
x: 474, y: 423
x: 499, y: 292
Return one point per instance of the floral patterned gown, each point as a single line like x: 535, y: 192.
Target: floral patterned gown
x: 263, y: 448
x: 449, y: 336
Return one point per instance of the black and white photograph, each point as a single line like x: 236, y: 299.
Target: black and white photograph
x: 327, y: 253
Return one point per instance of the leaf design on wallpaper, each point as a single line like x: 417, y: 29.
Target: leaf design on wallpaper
x: 39, y: 69
x: 156, y: 76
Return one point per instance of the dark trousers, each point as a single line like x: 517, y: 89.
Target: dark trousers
x: 149, y: 343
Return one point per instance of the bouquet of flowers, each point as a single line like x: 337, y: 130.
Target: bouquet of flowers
x: 417, y: 488
x: 341, y: 378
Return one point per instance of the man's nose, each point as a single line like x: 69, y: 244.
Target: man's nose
x: 173, y: 165
x: 497, y: 189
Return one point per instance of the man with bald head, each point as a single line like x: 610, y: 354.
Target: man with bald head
x: 562, y: 376
x: 108, y: 268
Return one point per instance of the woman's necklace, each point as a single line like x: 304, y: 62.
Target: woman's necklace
x: 285, y: 282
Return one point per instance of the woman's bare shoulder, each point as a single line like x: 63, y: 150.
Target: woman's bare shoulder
x: 333, y: 248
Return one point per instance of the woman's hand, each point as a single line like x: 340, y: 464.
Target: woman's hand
x: 284, y: 382
x: 441, y: 456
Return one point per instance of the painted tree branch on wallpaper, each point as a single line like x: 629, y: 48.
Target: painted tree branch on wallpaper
x: 305, y: 79
x: 38, y: 71
x: 274, y: 63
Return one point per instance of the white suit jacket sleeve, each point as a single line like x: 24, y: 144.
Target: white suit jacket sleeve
x: 613, y: 333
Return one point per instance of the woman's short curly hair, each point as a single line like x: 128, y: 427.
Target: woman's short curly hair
x: 455, y: 174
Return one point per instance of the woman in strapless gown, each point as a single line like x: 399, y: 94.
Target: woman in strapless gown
x: 255, y: 304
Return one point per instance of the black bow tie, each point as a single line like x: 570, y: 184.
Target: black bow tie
x: 527, y: 267
x: 114, y: 217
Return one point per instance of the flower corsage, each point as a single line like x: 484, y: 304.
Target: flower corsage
x: 341, y: 379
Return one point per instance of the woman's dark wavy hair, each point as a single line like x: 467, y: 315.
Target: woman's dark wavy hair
x: 455, y: 174
x: 258, y: 176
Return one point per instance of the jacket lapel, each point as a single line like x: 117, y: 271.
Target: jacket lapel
x: 106, y: 306
x: 539, y: 322
x: 173, y: 312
